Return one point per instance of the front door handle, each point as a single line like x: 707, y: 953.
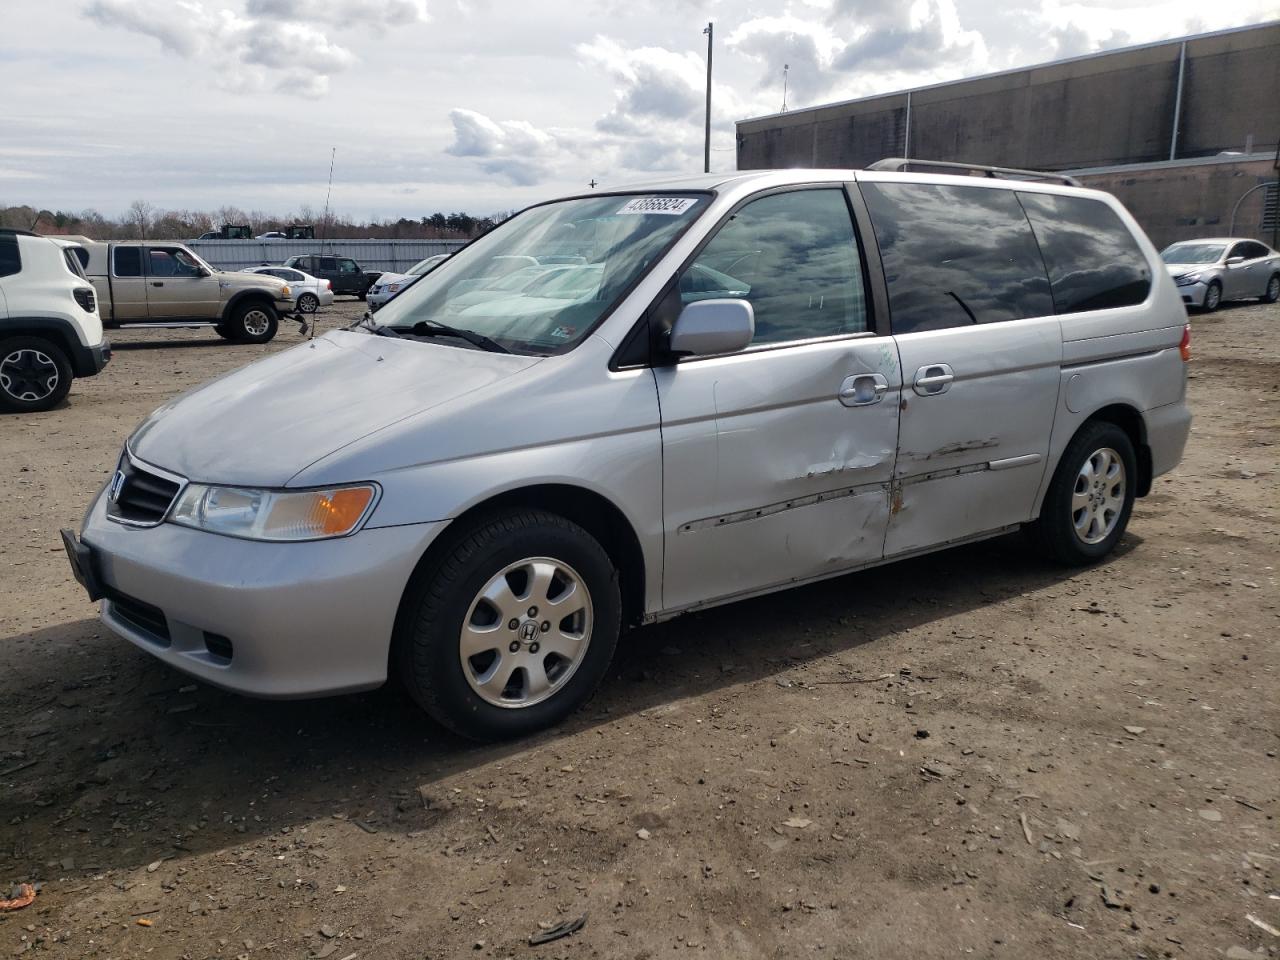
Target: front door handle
x: 934, y: 379
x: 862, y: 389
x: 157, y: 283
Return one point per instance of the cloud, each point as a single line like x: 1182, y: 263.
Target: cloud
x: 269, y: 48
x: 373, y: 14
x: 515, y: 150
x: 808, y: 47
x: 653, y: 86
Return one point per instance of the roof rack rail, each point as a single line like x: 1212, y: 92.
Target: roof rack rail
x: 1010, y: 173
x: 18, y: 231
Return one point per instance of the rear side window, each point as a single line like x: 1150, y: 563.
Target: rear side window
x: 955, y: 256
x: 328, y: 263
x: 1094, y: 262
x: 10, y: 258
x: 73, y: 261
x: 126, y: 262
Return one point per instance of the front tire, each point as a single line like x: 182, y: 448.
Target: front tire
x: 1272, y: 293
x: 1087, y: 507
x: 253, y: 322
x: 512, y: 628
x: 1212, y: 297
x: 35, y: 374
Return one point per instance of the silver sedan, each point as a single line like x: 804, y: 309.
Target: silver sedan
x: 1215, y: 269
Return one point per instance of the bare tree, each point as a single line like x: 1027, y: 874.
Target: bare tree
x: 140, y: 217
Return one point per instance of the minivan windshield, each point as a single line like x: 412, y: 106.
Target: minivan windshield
x: 1192, y: 253
x: 541, y: 281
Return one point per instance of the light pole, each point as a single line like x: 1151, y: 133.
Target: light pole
x: 706, y: 147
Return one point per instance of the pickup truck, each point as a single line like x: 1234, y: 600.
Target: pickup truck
x: 165, y: 284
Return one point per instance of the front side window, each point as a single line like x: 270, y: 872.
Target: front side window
x: 956, y: 255
x: 127, y: 262
x: 794, y: 257
x: 1094, y: 262
x: 328, y: 263
x: 513, y: 286
x: 1192, y: 253
x: 171, y: 262
x: 348, y: 266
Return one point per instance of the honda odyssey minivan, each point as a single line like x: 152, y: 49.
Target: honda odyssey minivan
x: 732, y: 384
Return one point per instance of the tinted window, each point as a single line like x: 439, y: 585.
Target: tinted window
x: 127, y: 262
x: 1254, y: 250
x: 794, y: 257
x: 328, y: 263
x: 348, y: 266
x: 955, y: 256
x: 1094, y: 262
x: 10, y: 259
x: 171, y: 263
x: 73, y: 261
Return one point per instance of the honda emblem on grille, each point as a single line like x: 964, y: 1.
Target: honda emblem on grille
x: 117, y: 484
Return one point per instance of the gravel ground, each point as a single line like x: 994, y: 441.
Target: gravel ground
x: 970, y: 754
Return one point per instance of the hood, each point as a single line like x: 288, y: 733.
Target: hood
x: 1177, y: 269
x: 387, y: 278
x: 237, y: 280
x: 262, y: 424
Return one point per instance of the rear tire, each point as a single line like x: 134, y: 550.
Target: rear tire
x: 1272, y: 293
x: 253, y: 322
x: 456, y: 649
x: 1087, y: 508
x: 308, y: 303
x: 35, y: 374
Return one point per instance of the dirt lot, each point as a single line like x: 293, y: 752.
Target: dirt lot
x: 968, y: 754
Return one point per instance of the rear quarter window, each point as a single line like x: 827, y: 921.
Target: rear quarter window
x: 956, y: 256
x: 126, y: 262
x: 10, y: 258
x: 1093, y: 260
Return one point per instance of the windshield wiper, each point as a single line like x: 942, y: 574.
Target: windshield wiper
x: 434, y: 328
x: 366, y: 322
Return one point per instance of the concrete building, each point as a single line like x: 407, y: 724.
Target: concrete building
x: 1150, y: 123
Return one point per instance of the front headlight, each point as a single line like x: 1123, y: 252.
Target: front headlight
x: 274, y: 514
x: 1187, y: 279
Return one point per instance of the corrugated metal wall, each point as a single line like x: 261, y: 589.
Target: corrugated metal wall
x: 390, y: 255
x: 1102, y: 110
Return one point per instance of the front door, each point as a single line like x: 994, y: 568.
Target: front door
x: 177, y: 288
x: 981, y: 352
x: 1235, y: 277
x: 128, y: 285
x: 777, y: 460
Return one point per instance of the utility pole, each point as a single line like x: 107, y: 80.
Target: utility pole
x: 786, y: 67
x: 706, y: 149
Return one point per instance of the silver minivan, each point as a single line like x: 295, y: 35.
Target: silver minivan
x: 727, y: 386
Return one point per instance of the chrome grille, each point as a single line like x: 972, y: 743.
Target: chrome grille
x: 139, y: 495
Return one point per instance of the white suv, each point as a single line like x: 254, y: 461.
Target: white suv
x: 50, y: 330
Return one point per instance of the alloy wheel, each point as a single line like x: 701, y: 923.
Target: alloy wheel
x: 1097, y: 499
x: 29, y: 375
x: 526, y: 632
x: 256, y: 323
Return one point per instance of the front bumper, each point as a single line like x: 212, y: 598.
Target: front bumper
x: 1193, y: 294
x: 265, y: 619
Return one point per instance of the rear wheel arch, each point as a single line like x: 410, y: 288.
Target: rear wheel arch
x: 1130, y: 420
x: 596, y: 514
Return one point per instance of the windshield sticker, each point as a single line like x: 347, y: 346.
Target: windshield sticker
x: 564, y: 332
x: 666, y: 206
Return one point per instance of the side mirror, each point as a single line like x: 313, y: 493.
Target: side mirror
x: 707, y: 327
x: 1232, y: 261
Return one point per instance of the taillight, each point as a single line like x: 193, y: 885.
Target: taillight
x: 328, y: 284
x: 1184, y: 347
x: 84, y: 297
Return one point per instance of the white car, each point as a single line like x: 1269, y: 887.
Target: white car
x: 271, y: 235
x: 50, y: 328
x: 389, y: 284
x: 309, y: 293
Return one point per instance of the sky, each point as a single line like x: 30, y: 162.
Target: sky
x: 471, y: 105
